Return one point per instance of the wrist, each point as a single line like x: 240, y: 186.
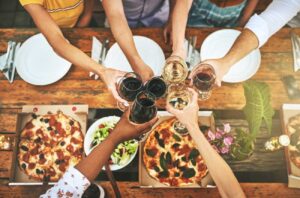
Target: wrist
x: 135, y: 61
x: 114, y: 138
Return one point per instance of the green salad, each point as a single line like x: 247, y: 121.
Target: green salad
x: 123, y: 152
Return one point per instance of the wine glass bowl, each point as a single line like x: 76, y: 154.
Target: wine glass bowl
x: 204, y: 78
x: 175, y: 70
x: 157, y: 86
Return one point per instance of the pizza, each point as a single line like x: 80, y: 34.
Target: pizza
x: 172, y: 159
x: 48, y: 145
x: 293, y: 128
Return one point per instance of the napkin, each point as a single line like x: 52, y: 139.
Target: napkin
x: 296, y: 51
x: 8, y: 59
x: 96, y: 50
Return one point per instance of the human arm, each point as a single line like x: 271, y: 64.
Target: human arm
x: 76, y: 180
x: 176, y: 25
x: 87, y: 14
x: 63, y: 48
x: 219, y: 170
x: 117, y: 20
x: 247, y: 12
x: 256, y: 33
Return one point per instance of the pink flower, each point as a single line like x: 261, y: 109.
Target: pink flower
x: 224, y: 150
x: 228, y: 140
x: 211, y: 135
x: 218, y: 135
x: 227, y: 128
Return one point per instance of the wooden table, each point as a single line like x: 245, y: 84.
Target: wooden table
x: 77, y: 88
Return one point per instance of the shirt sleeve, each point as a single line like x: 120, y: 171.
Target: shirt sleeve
x: 277, y: 14
x: 72, y: 184
x: 26, y: 2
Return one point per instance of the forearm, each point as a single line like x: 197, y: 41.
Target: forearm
x: 86, y: 17
x: 93, y: 163
x: 179, y: 21
x: 244, y: 44
x: 121, y: 31
x: 218, y: 168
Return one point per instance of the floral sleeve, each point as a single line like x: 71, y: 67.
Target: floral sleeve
x: 72, y: 184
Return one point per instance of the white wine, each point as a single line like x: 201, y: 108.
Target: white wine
x: 178, y: 100
x: 175, y: 70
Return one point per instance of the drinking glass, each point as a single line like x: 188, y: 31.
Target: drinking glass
x: 143, y: 110
x: 175, y: 70
x: 128, y: 87
x: 179, y: 97
x: 204, y: 78
x: 157, y: 86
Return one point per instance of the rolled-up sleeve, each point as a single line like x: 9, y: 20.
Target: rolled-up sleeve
x: 277, y: 14
x: 72, y: 184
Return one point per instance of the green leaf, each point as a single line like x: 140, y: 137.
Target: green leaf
x: 150, y: 152
x: 176, y: 137
x: 258, y: 105
x: 188, y: 173
x: 168, y: 158
x: 193, y: 154
x: 163, y: 162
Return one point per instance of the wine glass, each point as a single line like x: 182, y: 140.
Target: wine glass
x: 204, y: 77
x: 128, y: 87
x: 143, y: 109
x: 175, y: 70
x: 179, y: 97
x: 157, y: 86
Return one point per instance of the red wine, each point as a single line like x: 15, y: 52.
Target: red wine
x: 157, y: 87
x: 203, y: 81
x: 130, y: 87
x: 143, y: 110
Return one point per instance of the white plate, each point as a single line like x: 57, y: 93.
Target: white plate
x: 149, y: 50
x: 38, y: 64
x: 89, y: 136
x: 217, y: 44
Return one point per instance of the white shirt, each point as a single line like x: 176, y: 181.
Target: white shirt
x: 277, y: 14
x: 72, y: 184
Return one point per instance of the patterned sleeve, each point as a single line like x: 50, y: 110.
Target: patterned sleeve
x: 72, y: 184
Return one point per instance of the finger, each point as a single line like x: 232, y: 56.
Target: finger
x: 194, y: 95
x: 118, y: 98
x: 172, y: 110
x: 219, y: 83
x: 165, y: 35
x: 171, y: 39
x: 153, y: 121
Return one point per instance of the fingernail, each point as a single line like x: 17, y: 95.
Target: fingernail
x: 126, y: 104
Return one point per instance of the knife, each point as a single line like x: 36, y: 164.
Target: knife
x: 103, y: 51
x: 5, y: 67
x: 11, y: 63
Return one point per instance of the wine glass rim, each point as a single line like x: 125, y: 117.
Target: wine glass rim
x: 146, y: 93
x: 154, y: 78
x: 211, y: 67
x: 141, y: 85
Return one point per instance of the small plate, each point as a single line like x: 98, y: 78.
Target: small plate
x: 38, y: 64
x: 90, y: 135
x: 149, y: 50
x: 217, y: 44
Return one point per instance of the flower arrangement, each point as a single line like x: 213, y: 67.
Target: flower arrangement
x: 221, y: 140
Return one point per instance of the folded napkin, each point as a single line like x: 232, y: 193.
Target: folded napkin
x: 8, y: 61
x: 96, y: 50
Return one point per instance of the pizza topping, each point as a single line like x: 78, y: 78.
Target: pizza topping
x: 37, y: 140
x: 38, y: 171
x: 176, y: 163
x: 34, y: 151
x: 176, y: 174
x: 52, y: 121
x: 188, y: 173
x: 23, y: 166
x: 46, y: 120
x: 31, y: 166
x: 49, y: 128
x: 168, y: 158
x: 34, y: 116
x: 151, y: 152
x: 193, y: 162
x: 201, y: 167
x: 62, y: 143
x: 75, y: 141
x: 176, y: 137
x: 29, y: 125
x: 71, y: 122
x: 62, y: 167
x: 156, y: 168
x: 42, y: 119
x: 164, y: 174
x: 160, y: 141
x: 184, y: 159
x: 59, y: 161
x: 41, y: 156
x: 70, y: 148
x: 163, y: 162
x: 184, y: 150
x: 26, y: 157
x: 60, y: 154
x: 194, y: 154
x: 42, y: 161
x: 24, y: 148
x: 174, y: 182
x: 165, y: 134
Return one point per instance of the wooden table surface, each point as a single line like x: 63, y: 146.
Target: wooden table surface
x: 77, y: 88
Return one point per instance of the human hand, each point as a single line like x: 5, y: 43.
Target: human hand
x: 126, y: 130
x: 110, y: 78
x: 144, y: 71
x: 221, y: 68
x: 189, y: 115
